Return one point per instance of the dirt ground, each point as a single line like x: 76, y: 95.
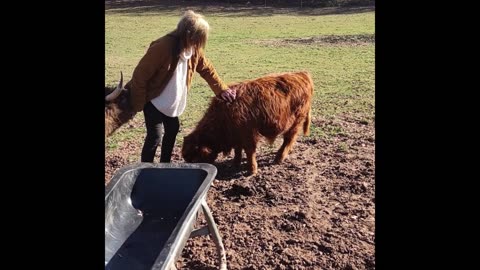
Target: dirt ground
x: 329, y: 40
x: 314, y: 211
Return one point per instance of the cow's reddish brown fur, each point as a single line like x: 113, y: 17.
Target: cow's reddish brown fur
x: 276, y: 104
x: 117, y: 112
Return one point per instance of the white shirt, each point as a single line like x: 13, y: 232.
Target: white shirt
x: 173, y: 99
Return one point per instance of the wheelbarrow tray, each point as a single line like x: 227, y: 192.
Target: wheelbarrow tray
x: 150, y: 210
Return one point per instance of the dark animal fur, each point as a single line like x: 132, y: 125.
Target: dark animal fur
x: 117, y: 112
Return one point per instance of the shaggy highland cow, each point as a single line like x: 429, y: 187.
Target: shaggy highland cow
x: 117, y: 107
x: 276, y: 104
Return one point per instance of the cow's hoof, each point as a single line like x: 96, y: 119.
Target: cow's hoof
x: 278, y: 161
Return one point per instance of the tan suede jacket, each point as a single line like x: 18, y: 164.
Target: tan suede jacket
x: 156, y: 67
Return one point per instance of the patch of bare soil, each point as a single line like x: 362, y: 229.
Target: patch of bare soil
x: 314, y: 211
x: 327, y: 40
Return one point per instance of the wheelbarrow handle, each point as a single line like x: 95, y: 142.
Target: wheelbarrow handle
x: 212, y: 227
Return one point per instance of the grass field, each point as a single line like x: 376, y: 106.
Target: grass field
x: 249, y: 43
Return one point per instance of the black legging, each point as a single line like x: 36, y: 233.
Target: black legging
x: 153, y: 121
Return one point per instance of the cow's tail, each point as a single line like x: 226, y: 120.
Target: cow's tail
x: 306, y: 124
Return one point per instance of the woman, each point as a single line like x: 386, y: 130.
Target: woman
x: 162, y: 78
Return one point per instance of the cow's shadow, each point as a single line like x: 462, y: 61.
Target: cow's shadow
x: 199, y: 265
x: 227, y: 171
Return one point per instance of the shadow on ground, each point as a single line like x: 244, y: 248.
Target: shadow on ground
x: 146, y: 7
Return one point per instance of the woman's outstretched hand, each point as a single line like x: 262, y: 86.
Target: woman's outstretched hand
x: 229, y: 95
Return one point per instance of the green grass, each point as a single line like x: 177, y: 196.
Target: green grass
x: 344, y: 75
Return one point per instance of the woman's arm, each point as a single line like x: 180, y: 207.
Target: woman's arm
x: 210, y: 75
x: 153, y: 59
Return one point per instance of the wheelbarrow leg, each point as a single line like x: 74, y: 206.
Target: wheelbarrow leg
x: 216, y: 236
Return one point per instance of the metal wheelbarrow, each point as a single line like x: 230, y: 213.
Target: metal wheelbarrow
x: 150, y: 212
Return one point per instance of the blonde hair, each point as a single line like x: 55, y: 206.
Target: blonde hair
x: 193, y: 31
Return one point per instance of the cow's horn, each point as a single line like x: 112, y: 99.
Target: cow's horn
x: 120, y: 84
x: 117, y: 90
